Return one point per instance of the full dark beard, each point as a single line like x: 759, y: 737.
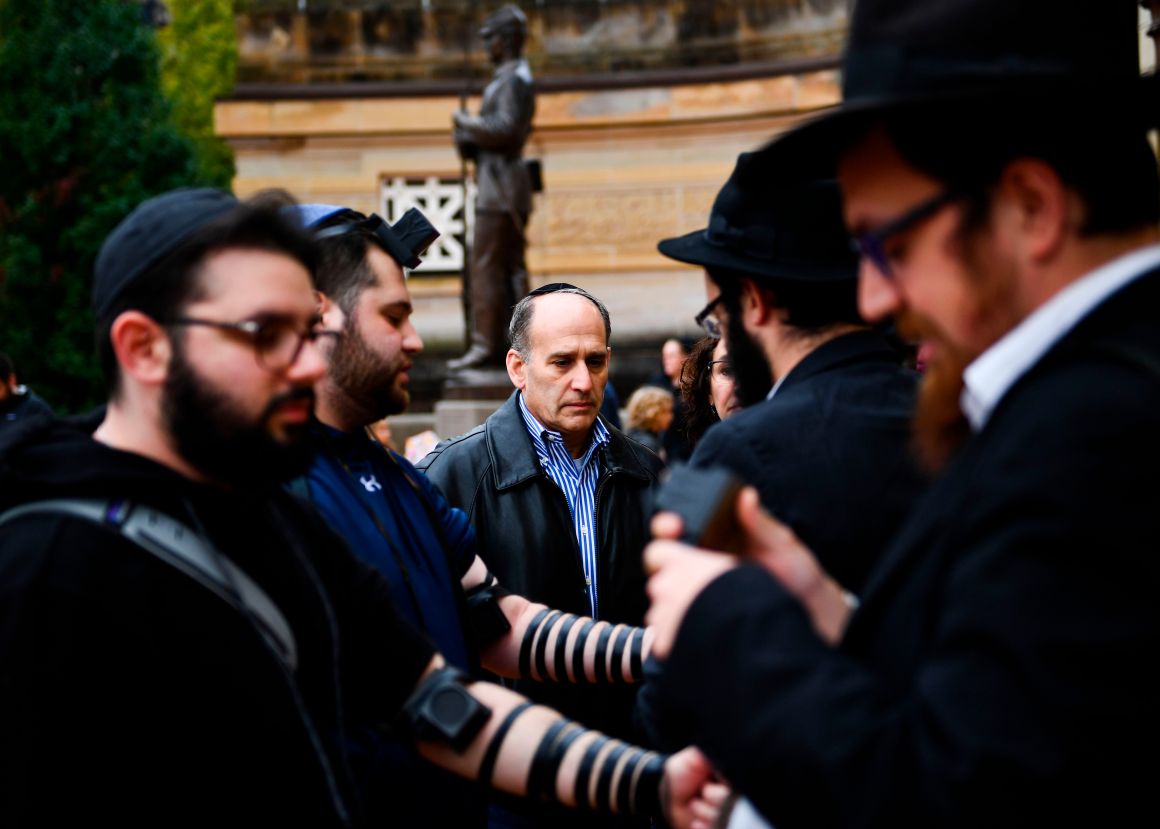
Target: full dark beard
x: 221, y: 442
x: 366, y: 378
x: 752, y: 375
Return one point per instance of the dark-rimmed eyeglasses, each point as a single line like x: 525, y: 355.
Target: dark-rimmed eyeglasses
x: 276, y: 343
x: 872, y: 244
x: 708, y: 322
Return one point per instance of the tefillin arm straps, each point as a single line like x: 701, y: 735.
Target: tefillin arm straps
x: 610, y: 776
x: 563, y: 647
x: 606, y: 775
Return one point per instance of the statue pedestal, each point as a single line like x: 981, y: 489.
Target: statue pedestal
x: 478, y: 384
x: 469, y: 397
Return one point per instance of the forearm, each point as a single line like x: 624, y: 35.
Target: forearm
x: 548, y: 645
x: 529, y: 750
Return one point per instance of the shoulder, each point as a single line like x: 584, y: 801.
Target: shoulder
x: 634, y: 454
x: 43, y: 538
x: 749, y: 424
x: 454, y: 450
x: 1095, y: 397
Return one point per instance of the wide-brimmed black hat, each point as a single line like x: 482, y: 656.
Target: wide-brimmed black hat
x: 906, y: 54
x: 787, y: 232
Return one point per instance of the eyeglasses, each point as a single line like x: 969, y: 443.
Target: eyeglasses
x: 276, y: 343
x: 721, y: 368
x: 707, y: 321
x: 872, y: 244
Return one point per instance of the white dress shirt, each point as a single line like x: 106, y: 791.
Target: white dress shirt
x: 989, y: 377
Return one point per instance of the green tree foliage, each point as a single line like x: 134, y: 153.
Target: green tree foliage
x: 198, y: 65
x: 85, y: 135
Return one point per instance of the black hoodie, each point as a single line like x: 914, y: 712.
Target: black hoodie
x: 130, y: 692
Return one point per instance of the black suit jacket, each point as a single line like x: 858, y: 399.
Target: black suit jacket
x: 830, y: 453
x: 997, y: 670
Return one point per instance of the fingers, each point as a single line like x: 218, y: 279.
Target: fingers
x: 659, y: 554
x: 749, y: 510
x: 703, y: 813
x: 762, y: 529
x: 667, y: 525
x: 678, y: 573
x: 715, y: 793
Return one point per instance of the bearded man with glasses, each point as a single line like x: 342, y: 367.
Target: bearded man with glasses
x: 824, y: 435
x: 184, y: 643
x: 996, y: 170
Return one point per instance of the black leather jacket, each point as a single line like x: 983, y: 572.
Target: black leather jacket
x: 524, y: 530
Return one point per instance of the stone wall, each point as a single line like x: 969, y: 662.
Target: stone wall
x: 327, y: 41
x: 622, y: 169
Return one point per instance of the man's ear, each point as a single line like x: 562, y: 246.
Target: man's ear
x: 1036, y: 208
x: 755, y: 306
x: 333, y: 319
x: 515, y: 369
x: 142, y: 347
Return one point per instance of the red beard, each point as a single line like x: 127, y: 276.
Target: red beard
x: 940, y: 427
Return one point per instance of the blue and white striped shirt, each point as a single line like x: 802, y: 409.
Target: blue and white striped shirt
x: 577, y: 480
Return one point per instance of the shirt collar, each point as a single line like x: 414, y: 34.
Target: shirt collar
x: 542, y: 436
x: 992, y: 374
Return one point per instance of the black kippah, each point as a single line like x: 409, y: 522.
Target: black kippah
x: 154, y: 229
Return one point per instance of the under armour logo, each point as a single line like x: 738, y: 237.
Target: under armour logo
x: 370, y: 484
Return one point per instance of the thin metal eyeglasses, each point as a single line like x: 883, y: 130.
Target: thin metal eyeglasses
x: 276, y: 343
x: 726, y: 370
x: 872, y: 244
x: 707, y: 321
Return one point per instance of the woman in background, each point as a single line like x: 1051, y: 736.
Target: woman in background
x: 707, y: 388
x: 650, y: 412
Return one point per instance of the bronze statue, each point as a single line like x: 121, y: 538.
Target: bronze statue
x: 494, y: 139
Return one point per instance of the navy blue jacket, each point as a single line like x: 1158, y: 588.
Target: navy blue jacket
x: 394, y: 519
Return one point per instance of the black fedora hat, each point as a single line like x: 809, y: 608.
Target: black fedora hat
x: 791, y: 232
x: 978, y: 54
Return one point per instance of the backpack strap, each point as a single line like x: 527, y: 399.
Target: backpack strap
x: 181, y: 548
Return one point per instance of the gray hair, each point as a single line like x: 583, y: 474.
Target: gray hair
x: 522, y: 319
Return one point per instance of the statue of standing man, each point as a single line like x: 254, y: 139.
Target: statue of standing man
x: 494, y: 139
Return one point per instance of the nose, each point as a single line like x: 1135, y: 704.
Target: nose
x: 582, y: 377
x: 878, y: 297
x: 310, y: 364
x: 412, y: 342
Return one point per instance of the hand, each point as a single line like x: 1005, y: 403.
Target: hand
x: 678, y: 574
x: 769, y: 543
x: 458, y: 117
x: 774, y: 545
x: 689, y: 796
